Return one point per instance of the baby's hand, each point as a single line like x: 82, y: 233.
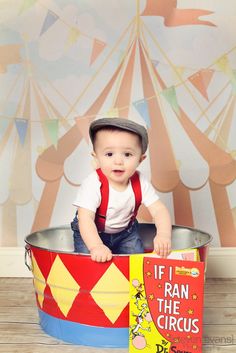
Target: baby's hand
x: 162, y: 245
x: 100, y: 253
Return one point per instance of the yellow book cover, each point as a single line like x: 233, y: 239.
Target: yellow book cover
x: 166, y: 303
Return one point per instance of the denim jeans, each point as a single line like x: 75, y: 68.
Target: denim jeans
x: 128, y: 241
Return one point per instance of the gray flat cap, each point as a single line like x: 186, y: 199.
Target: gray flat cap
x: 123, y: 124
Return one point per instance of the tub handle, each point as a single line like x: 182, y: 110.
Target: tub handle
x: 28, y: 262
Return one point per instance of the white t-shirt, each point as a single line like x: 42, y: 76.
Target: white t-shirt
x: 121, y: 204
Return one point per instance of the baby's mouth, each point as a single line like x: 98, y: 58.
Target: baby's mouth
x: 118, y: 171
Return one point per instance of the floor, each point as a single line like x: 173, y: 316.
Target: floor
x: 20, y: 331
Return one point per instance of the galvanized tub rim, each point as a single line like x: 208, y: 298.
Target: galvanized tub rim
x: 66, y: 227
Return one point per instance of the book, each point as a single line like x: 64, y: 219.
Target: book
x: 166, y: 303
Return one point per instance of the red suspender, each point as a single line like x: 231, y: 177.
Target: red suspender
x: 136, y: 186
x: 100, y: 217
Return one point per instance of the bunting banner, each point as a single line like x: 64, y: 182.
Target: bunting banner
x: 50, y: 19
x: 142, y: 107
x: 223, y: 65
x: 179, y: 70
x: 98, y: 47
x: 9, y: 54
x: 73, y: 36
x: 170, y: 95
x: 52, y: 127
x: 201, y: 80
x: 207, y: 76
x: 21, y: 127
x: 112, y: 113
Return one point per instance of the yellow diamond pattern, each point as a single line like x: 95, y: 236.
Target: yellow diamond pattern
x: 63, y: 286
x: 39, y: 281
x: 111, y: 292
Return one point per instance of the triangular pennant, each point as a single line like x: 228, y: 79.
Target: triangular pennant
x: 223, y: 64
x: 170, y: 96
x: 112, y: 113
x: 142, y: 107
x: 200, y: 80
x: 21, y: 126
x: 180, y: 70
x: 26, y: 5
x: 98, y: 47
x: 3, y: 126
x: 50, y: 19
x: 52, y: 128
x: 207, y: 76
x: 73, y: 35
x: 177, y: 73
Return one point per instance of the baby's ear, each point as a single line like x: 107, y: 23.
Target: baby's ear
x: 142, y: 158
x: 95, y: 163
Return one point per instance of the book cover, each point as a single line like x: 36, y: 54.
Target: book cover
x: 166, y: 303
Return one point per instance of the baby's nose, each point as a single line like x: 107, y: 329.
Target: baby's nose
x: 118, y: 159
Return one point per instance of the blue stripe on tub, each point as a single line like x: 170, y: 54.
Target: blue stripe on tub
x: 85, y: 335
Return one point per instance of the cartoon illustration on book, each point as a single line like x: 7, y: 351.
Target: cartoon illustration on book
x: 166, y: 303
x: 142, y: 317
x: 139, y: 294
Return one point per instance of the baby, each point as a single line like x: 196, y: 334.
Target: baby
x: 108, y: 199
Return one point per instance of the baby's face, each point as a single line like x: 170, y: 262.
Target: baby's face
x: 118, y: 154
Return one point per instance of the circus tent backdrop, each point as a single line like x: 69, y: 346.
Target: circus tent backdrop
x: 51, y: 92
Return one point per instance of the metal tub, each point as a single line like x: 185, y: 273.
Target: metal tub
x: 85, y: 302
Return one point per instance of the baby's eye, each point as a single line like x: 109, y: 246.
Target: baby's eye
x: 128, y: 154
x: 109, y: 154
